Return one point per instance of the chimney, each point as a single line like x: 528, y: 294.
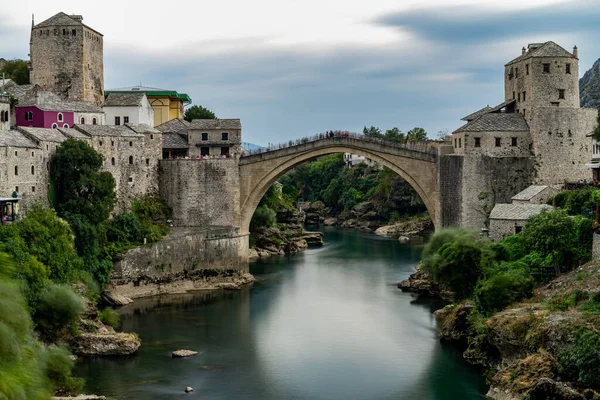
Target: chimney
x: 575, y: 52
x: 523, y: 51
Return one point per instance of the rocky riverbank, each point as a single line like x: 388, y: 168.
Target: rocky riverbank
x: 521, y: 347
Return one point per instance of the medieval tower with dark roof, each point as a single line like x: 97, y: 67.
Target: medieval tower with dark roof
x: 66, y: 58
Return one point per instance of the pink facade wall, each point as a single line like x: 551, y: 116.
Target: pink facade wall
x: 43, y: 119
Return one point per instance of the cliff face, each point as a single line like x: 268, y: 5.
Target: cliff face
x: 589, y: 87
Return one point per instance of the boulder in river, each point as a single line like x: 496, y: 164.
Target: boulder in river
x: 189, y: 389
x: 183, y: 353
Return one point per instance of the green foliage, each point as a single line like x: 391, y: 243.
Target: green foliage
x: 596, y: 133
x: 58, y: 368
x: 567, y: 300
x: 263, y: 217
x: 57, y: 311
x: 394, y: 135
x: 79, y: 185
x: 110, y: 317
x: 577, y: 202
x: 503, y: 288
x: 582, y: 361
x: 198, y: 112
x: 416, y: 135
x: 17, y: 70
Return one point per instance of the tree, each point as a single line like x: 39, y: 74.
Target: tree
x: 372, y: 132
x: 17, y: 70
x: 394, y: 135
x: 79, y: 185
x: 198, y: 112
x: 416, y: 135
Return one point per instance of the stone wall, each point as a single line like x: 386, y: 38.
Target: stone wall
x: 501, y: 228
x: 487, y: 144
x: 214, y: 141
x: 202, y: 192
x: 187, y: 254
x: 561, y: 145
x: 21, y: 169
x: 450, y: 180
x: 596, y: 247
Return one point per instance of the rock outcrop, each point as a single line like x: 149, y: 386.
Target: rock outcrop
x: 183, y: 353
x: 589, y: 87
x: 97, y: 339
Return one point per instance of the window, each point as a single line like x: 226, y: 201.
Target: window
x: 130, y: 144
x: 131, y: 179
x: 54, y: 126
x: 523, y: 112
x: 147, y: 161
x: 224, y: 150
x: 524, y: 96
x: 514, y: 95
x: 526, y: 69
x: 28, y: 116
x: 94, y: 121
x: 17, y: 189
x: 554, y: 103
x: 510, y: 74
x: 130, y: 159
x: 224, y: 136
x: 546, y: 68
x: 517, y: 72
x: 60, y: 117
x: 16, y: 170
x: 513, y: 141
x: 117, y: 120
x: 126, y: 120
x: 32, y: 154
x: 204, y: 151
x: 82, y: 121
x: 112, y: 161
x: 570, y: 133
x: 204, y: 136
x: 561, y: 94
x: 498, y: 142
x: 477, y: 142
x: 33, y: 189
x: 100, y: 142
x: 151, y: 136
x: 519, y: 96
x: 65, y: 125
x: 32, y: 170
x: 455, y: 143
x: 73, y: 32
x: 518, y: 229
x: 16, y: 153
x: 567, y: 68
x: 112, y: 143
x: 459, y: 143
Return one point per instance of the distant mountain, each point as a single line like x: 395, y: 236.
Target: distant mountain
x: 589, y: 87
x: 251, y: 146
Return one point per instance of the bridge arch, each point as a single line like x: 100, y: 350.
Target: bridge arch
x: 258, y: 172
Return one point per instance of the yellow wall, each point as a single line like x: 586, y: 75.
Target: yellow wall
x: 165, y: 108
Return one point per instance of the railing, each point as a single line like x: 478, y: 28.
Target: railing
x: 424, y: 147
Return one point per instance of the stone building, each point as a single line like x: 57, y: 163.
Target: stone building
x: 167, y: 104
x: 537, y: 135
x: 126, y: 108
x: 175, y: 138
x: 535, y: 194
x: 214, y: 137
x: 5, y: 119
x: 66, y: 58
x: 509, y: 219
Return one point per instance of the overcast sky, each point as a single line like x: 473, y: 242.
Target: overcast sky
x: 290, y: 68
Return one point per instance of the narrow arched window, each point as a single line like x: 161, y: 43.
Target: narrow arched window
x: 112, y: 161
x: 82, y: 121
x: 32, y: 170
x: 16, y: 170
x: 94, y: 122
x: 60, y: 117
x: 130, y: 159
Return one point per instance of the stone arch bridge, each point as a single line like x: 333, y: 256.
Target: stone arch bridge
x: 416, y: 163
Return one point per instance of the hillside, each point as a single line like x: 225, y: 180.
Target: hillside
x: 589, y: 87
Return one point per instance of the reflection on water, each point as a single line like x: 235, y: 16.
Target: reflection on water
x: 325, y: 324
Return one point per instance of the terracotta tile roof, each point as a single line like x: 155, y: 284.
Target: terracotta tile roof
x: 216, y: 124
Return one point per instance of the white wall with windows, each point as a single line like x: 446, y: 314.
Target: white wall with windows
x: 120, y: 115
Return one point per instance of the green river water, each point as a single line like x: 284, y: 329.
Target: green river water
x: 325, y: 324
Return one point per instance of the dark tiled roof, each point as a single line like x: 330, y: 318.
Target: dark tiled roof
x: 16, y: 90
x: 15, y: 139
x: 517, y: 211
x: 548, y: 49
x: 530, y: 192
x: 142, y: 128
x: 476, y: 114
x: 216, y: 124
x: 44, y: 134
x: 48, y: 101
x: 496, y: 122
x: 502, y: 105
x: 124, y: 99
x: 107, y: 130
x: 73, y: 133
x: 61, y: 19
x: 173, y: 140
x: 174, y: 125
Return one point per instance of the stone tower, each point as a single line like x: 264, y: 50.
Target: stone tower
x: 66, y: 58
x: 544, y: 75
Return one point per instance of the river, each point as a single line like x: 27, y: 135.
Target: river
x: 328, y: 323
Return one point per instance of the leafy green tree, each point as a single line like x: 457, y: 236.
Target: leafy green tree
x: 80, y: 187
x: 263, y: 217
x: 582, y: 361
x: 198, y: 112
x: 416, y: 135
x: 394, y: 135
x: 372, y: 132
x: 503, y: 288
x: 57, y: 312
x: 17, y: 70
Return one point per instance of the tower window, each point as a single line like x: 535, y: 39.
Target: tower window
x: 204, y: 136
x: 112, y: 161
x: 513, y: 141
x: 73, y: 32
x: 224, y: 136
x: 477, y: 142
x: 459, y: 143
x: 32, y: 170
x: 130, y: 159
x: 519, y: 96
x: 546, y: 68
x: 112, y: 142
x: 130, y: 144
x: 526, y: 69
x: 567, y: 68
x: 147, y: 161
x: 514, y: 95
x: 523, y: 112
x: 524, y: 95
x: 33, y: 189
x: 151, y: 136
x: 561, y: 93
x: 498, y: 142
x: 517, y: 72
x: 16, y: 170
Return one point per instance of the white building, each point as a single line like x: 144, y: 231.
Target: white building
x: 128, y: 108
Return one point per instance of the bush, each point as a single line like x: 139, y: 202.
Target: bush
x: 582, y: 361
x: 502, y: 289
x: 57, y: 311
x: 109, y: 317
x: 58, y: 368
x: 263, y: 217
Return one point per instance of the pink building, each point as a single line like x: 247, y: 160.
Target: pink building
x: 40, y: 109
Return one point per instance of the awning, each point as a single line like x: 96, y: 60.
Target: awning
x: 593, y: 165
